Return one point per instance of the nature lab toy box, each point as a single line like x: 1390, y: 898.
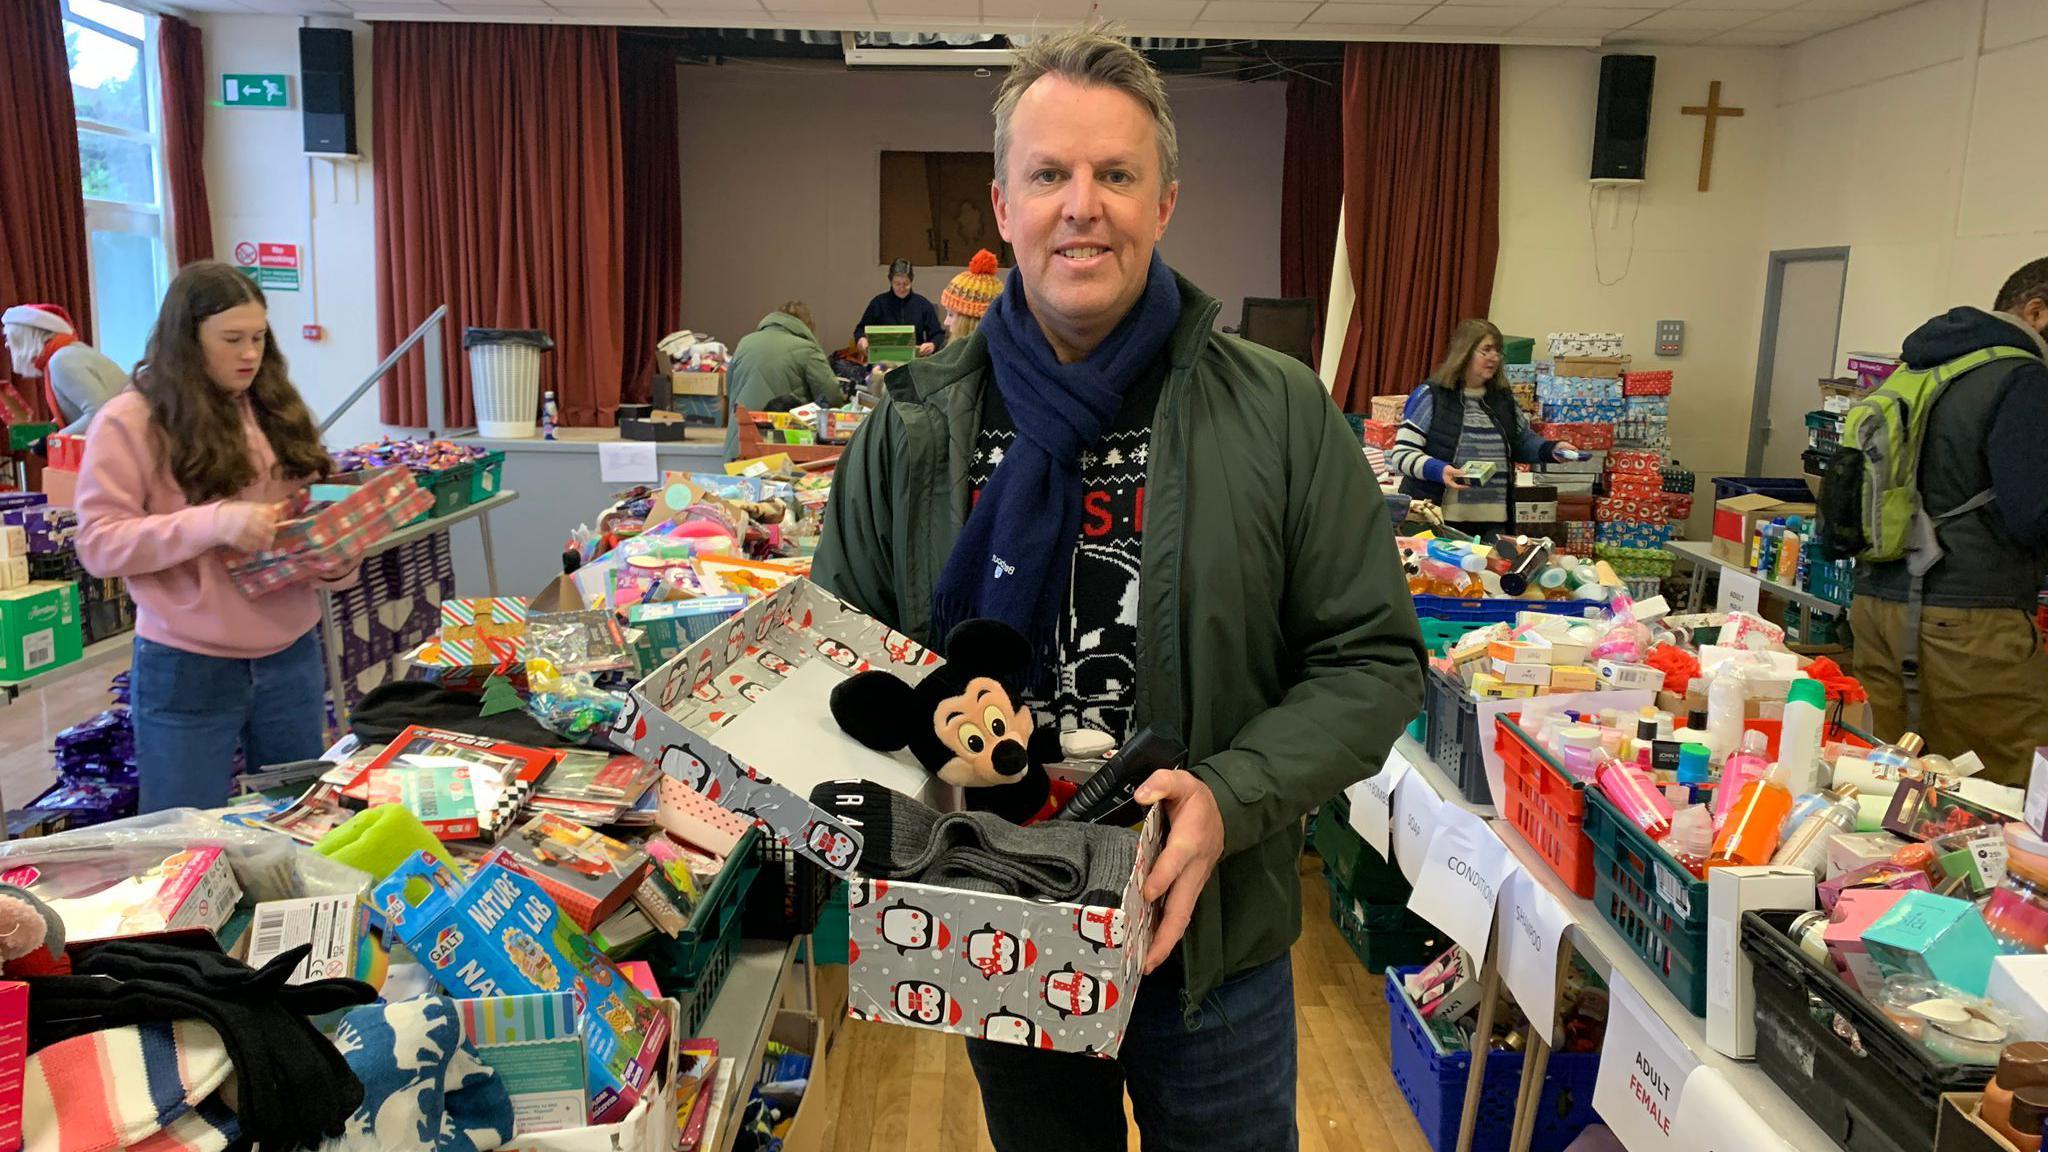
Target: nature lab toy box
x: 747, y: 706
x: 500, y: 935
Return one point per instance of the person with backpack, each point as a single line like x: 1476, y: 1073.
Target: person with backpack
x: 1939, y: 492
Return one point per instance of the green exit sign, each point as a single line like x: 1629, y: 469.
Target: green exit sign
x: 254, y: 90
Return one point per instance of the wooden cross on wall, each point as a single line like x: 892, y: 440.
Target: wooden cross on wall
x: 1713, y: 111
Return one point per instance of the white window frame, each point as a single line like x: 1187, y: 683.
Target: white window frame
x: 120, y: 215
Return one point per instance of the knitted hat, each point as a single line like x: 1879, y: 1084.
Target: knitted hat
x: 120, y: 1087
x: 49, y: 317
x: 972, y: 291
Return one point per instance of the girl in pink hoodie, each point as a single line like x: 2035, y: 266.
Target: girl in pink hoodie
x: 200, y: 455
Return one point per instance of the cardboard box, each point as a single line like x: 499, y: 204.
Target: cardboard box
x: 39, y: 628
x: 500, y: 935
x: 667, y: 627
x: 1515, y: 652
x: 13, y: 573
x: 2019, y: 984
x: 1591, y: 367
x: 1960, y: 1126
x: 1939, y: 937
x: 683, y: 383
x: 13, y: 541
x: 746, y: 706
x: 1573, y: 678
x: 1736, y: 518
x: 535, y: 1044
x: 1731, y: 974
x: 13, y: 1058
x: 1533, y: 674
x: 1848, y: 920
x: 650, y: 1126
x: 1620, y: 674
x: 333, y: 925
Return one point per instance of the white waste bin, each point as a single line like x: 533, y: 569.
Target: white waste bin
x: 504, y: 379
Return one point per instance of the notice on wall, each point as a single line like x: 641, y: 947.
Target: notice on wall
x: 1463, y: 870
x: 1416, y: 805
x: 1643, y: 1070
x: 1532, y: 924
x: 628, y: 462
x: 273, y: 266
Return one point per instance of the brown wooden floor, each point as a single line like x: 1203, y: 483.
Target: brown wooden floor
x: 892, y: 1082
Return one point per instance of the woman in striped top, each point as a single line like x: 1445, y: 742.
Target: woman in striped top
x: 1462, y: 417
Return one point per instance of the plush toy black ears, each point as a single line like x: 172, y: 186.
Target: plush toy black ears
x: 878, y: 710
x: 989, y: 648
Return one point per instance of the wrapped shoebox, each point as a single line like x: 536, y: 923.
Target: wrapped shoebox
x: 1638, y: 461
x: 1585, y: 437
x: 1582, y: 411
x: 1594, y: 367
x: 1641, y: 406
x: 1646, y: 383
x: 1551, y: 389
x: 1632, y: 534
x: 1520, y: 373
x: 1564, y: 344
x: 742, y: 716
x: 1380, y: 434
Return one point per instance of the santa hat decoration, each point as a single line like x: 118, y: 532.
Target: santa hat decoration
x: 50, y: 318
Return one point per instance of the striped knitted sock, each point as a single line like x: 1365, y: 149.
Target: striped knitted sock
x: 152, y: 1083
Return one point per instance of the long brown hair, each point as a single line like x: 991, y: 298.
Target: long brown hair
x: 197, y: 424
x: 1465, y: 340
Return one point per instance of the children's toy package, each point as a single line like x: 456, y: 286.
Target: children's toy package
x: 500, y: 935
x: 191, y: 889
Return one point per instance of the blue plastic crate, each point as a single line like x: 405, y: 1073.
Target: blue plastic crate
x: 1493, y: 609
x: 1432, y: 1081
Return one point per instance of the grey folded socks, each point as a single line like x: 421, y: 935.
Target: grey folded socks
x: 903, y: 839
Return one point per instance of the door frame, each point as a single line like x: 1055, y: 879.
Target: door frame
x: 1767, y: 344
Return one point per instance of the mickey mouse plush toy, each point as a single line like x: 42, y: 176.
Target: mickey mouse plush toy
x: 964, y: 722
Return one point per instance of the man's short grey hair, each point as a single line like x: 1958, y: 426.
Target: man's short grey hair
x: 1092, y: 57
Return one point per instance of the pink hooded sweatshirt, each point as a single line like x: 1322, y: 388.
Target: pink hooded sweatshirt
x: 133, y: 522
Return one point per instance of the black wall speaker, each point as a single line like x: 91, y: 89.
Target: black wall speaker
x: 327, y: 90
x: 1621, y: 126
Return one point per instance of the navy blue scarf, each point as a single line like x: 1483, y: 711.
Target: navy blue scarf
x: 1015, y: 554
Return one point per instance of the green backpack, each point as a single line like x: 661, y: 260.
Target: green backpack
x: 1870, y: 506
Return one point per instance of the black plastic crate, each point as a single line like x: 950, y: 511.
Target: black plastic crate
x: 1454, y: 736
x: 60, y: 566
x: 1868, y: 1085
x: 788, y: 895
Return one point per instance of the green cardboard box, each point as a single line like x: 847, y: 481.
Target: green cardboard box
x: 891, y: 343
x: 39, y: 629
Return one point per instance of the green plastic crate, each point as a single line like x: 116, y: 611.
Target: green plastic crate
x: 1518, y: 350
x: 487, y: 477
x: 1382, y: 936
x: 450, y: 487
x: 1656, y: 905
x: 1439, y: 635
x: 20, y: 436
x: 1359, y: 871
x: 692, y: 965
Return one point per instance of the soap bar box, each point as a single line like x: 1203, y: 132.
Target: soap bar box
x: 1055, y: 976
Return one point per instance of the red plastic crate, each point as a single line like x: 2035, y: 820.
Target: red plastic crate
x: 1546, y: 806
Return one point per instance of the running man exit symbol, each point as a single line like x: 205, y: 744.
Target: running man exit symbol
x: 254, y: 90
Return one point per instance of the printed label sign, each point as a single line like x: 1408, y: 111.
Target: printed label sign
x: 1463, y: 870
x: 1416, y: 805
x: 1372, y: 803
x: 1643, y: 1072
x: 1532, y: 924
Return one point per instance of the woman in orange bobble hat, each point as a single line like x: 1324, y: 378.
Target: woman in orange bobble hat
x: 967, y: 297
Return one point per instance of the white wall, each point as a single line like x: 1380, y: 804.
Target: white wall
x: 1925, y: 158
x: 781, y: 188
x: 1571, y: 259
x: 262, y: 187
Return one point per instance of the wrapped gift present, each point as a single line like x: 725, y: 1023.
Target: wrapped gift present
x: 1596, y: 367
x: 1656, y: 383
x: 1647, y: 405
x: 324, y: 537
x: 1577, y: 388
x: 1636, y: 461
x: 1388, y: 408
x: 1589, y: 437
x: 1520, y: 373
x: 1380, y: 434
x: 1564, y: 344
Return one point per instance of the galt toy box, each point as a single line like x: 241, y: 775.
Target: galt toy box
x: 500, y: 935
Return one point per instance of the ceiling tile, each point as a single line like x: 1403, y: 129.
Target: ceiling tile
x: 1863, y: 6
x: 1133, y: 9
x: 1635, y: 36
x: 1282, y: 13
x: 470, y: 7
x: 1523, y: 4
x: 828, y: 7
x: 1693, y: 20
x: 1638, y: 4
x: 610, y: 5
x: 1806, y: 20
x: 1013, y: 10
x: 395, y: 7
x: 1478, y: 21
x: 1343, y: 12
x: 1748, y: 5
x: 1752, y: 38
x: 952, y: 9
x: 1357, y: 31
x: 1600, y: 19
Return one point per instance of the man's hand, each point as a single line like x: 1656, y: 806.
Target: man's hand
x: 1454, y: 478
x: 1194, y: 843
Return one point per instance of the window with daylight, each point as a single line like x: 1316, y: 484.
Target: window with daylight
x: 115, y: 86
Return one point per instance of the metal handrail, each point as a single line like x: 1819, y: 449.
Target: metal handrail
x: 429, y: 332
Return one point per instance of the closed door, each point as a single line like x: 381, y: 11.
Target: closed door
x: 1800, y: 336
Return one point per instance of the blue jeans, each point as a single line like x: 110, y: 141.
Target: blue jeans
x: 1224, y: 1085
x: 191, y: 713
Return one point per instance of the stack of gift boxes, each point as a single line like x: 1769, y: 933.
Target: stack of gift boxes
x: 1578, y: 399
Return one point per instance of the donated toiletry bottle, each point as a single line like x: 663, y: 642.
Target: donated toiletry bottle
x: 1692, y: 839
x: 1809, y: 804
x: 1786, y: 567
x: 1635, y: 796
x: 2023, y: 1122
x: 1807, y: 847
x: 1898, y: 757
x: 2017, y: 912
x: 1799, y: 741
x: 1726, y: 699
x: 2020, y: 1065
x: 1697, y: 776
x: 548, y: 415
x: 1741, y: 768
x: 1750, y: 835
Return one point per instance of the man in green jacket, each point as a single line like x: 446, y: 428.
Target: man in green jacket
x: 1185, y: 525
x: 780, y: 359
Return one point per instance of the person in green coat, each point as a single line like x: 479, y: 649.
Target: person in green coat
x: 1185, y: 526
x: 780, y: 360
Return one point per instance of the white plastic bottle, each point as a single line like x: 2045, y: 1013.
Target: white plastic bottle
x: 1726, y: 699
x: 1799, y: 742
